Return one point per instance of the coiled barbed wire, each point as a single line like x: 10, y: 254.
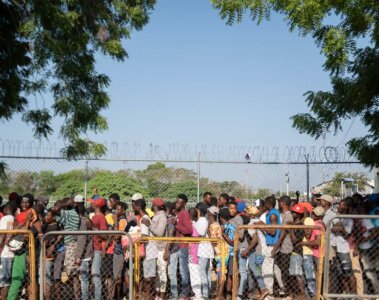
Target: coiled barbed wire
x: 188, y: 152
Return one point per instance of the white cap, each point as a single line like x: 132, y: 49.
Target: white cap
x: 79, y: 199
x: 137, y: 196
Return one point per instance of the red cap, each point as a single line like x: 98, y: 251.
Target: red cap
x: 298, y: 208
x: 307, y: 206
x: 98, y: 201
x: 158, y: 202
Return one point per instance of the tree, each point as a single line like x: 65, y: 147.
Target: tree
x: 334, y: 186
x: 48, y: 48
x: 354, y: 69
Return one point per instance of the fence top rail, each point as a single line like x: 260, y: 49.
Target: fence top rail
x: 242, y: 162
x: 264, y: 226
x: 16, y: 231
x: 85, y: 232
x: 352, y: 217
x: 358, y: 216
x: 180, y: 239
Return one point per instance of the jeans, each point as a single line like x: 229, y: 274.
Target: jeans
x: 309, y: 272
x: 84, y: 279
x: 184, y: 271
x: 96, y: 273
x: 255, y: 265
x: 171, y: 272
x: 242, y: 262
x: 204, y: 264
x: 49, y: 265
x: 6, y: 271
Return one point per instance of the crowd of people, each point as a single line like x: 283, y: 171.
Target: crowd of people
x: 270, y: 261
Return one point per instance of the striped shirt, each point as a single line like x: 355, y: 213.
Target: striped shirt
x: 71, y: 222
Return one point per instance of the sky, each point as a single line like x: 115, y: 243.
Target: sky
x: 191, y: 79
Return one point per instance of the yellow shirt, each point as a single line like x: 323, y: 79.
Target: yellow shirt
x: 109, y: 218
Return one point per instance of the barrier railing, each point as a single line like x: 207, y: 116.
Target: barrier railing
x: 200, y: 263
x: 93, y: 274
x: 351, y: 265
x: 18, y: 263
x: 270, y: 271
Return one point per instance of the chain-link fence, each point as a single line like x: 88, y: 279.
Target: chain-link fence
x: 18, y: 264
x: 352, y: 265
x: 58, y: 178
x: 84, y: 265
x: 269, y: 266
x: 187, y: 267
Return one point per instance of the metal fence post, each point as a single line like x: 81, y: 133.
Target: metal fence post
x: 85, y: 179
x: 307, y: 167
x: 198, y: 178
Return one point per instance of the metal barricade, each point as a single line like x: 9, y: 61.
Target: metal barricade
x: 167, y: 267
x: 351, y: 268
x: 95, y: 274
x: 19, y: 264
x: 280, y: 275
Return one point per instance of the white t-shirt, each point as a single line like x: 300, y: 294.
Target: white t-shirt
x: 368, y: 244
x: 6, y: 222
x: 261, y: 248
x: 337, y: 240
x: 205, y: 249
x: 151, y: 250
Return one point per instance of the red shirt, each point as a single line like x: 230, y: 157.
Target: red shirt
x: 183, y: 226
x: 98, y: 223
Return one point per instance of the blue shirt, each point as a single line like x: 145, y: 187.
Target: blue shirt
x: 272, y: 239
x: 230, y: 230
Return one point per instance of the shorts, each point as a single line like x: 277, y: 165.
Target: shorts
x: 149, y: 268
x: 6, y: 271
x: 107, y: 266
x: 69, y: 260
x: 296, y: 265
x: 342, y: 264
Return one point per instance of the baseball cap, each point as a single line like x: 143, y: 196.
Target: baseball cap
x: 319, y: 211
x: 326, y: 198
x: 252, y: 210
x: 79, y: 199
x: 298, y: 208
x: 241, y: 206
x: 98, y: 201
x: 214, y: 210
x: 158, y: 201
x: 307, y: 206
x: 137, y: 196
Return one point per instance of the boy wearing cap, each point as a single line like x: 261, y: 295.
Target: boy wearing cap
x: 296, y: 261
x: 157, y: 227
x: 98, y: 222
x: 255, y: 250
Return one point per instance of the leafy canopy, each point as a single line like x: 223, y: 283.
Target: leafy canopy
x: 354, y: 69
x: 48, y: 48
